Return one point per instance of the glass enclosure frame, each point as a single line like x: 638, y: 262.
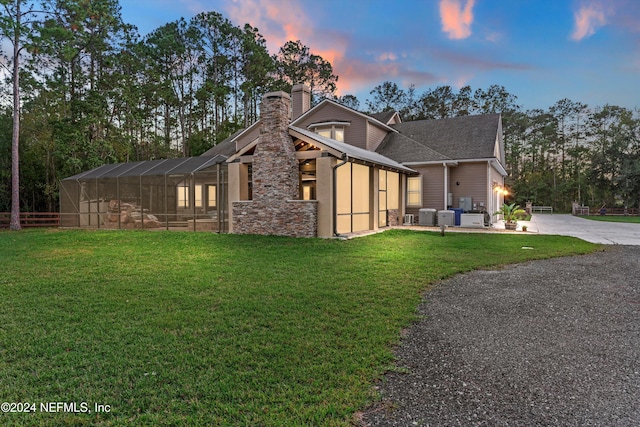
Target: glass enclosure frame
x: 174, y: 194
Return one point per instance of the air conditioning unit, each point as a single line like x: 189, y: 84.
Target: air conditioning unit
x: 447, y: 218
x: 427, y: 217
x: 408, y: 219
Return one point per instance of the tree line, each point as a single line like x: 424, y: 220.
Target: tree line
x: 91, y: 90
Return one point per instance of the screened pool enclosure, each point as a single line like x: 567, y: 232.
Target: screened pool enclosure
x: 172, y: 194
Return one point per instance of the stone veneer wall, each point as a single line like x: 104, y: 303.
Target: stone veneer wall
x: 294, y: 218
x: 393, y: 217
x: 275, y: 208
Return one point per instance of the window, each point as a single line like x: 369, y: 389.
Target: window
x: 382, y: 198
x: 211, y: 196
x: 325, y: 132
x: 309, y: 191
x: 352, y: 197
x: 393, y: 190
x: 308, y: 179
x: 388, y: 185
x: 414, y: 191
x: 198, y: 195
x: 333, y: 130
x: 183, y: 196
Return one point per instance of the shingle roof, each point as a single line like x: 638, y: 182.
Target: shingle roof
x: 226, y: 147
x: 384, y: 117
x: 404, y: 149
x: 468, y: 137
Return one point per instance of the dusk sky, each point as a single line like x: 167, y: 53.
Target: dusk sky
x: 539, y: 50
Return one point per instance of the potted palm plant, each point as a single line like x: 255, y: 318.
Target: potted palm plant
x: 510, y: 214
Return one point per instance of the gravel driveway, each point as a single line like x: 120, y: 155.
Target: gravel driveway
x: 554, y: 342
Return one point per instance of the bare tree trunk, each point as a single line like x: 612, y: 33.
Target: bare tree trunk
x: 14, y: 223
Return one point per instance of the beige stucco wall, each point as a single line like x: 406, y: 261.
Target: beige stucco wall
x: 324, y: 195
x: 238, y: 186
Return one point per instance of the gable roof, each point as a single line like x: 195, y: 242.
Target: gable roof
x: 467, y: 137
x: 350, y: 150
x: 370, y: 118
x: 386, y: 116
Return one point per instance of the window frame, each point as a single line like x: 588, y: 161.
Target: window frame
x: 417, y: 192
x: 183, y: 196
x: 212, y: 190
x: 334, y: 129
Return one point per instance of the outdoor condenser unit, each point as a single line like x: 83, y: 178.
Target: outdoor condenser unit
x: 447, y: 218
x: 427, y: 217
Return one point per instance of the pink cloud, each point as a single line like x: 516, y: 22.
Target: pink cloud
x: 280, y: 22
x: 456, y: 20
x: 276, y: 23
x: 587, y: 19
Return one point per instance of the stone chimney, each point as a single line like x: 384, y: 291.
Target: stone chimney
x: 276, y: 207
x: 275, y: 167
x: 301, y: 95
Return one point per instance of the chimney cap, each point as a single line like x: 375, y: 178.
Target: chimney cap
x: 278, y: 94
x: 301, y: 87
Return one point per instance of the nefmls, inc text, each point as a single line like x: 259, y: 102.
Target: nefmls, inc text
x: 74, y: 407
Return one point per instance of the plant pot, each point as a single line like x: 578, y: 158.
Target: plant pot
x: 510, y: 225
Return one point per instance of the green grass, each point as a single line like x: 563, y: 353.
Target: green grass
x: 611, y: 218
x: 191, y: 329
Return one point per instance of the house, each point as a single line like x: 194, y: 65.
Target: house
x: 303, y: 171
x: 456, y: 158
x: 331, y: 170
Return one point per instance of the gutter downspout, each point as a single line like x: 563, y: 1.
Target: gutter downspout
x: 446, y: 186
x: 345, y: 159
x: 192, y: 189
x: 490, y: 208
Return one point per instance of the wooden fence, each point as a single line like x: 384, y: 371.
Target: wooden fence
x: 541, y: 209
x: 32, y: 219
x: 585, y: 210
x: 615, y: 211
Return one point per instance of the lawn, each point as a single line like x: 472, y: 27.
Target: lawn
x: 614, y: 218
x: 170, y: 328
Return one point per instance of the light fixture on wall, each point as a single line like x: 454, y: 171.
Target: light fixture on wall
x: 457, y: 182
